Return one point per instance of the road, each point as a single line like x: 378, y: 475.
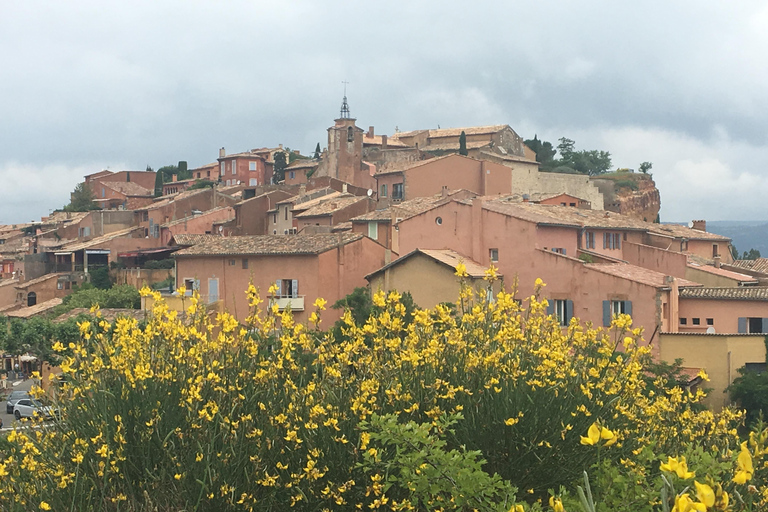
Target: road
x: 8, y: 419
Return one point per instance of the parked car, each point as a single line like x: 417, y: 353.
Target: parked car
x: 14, y: 397
x: 28, y: 407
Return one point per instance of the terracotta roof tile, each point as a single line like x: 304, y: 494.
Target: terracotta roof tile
x: 408, y: 208
x: 637, y: 274
x: 330, y: 206
x: 759, y: 293
x: 410, y: 165
x: 189, y: 239
x: 264, y: 245
x: 758, y: 265
x: 680, y: 231
x: 723, y: 272
x: 37, y: 280
x: 76, y: 246
x: 34, y: 310
x: 446, y: 257
x: 202, y: 214
x: 303, y: 164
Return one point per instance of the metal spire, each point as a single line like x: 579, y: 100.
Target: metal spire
x: 344, y: 104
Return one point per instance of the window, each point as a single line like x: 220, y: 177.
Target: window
x: 683, y: 321
x: 493, y: 255
x: 696, y: 321
x: 612, y: 308
x: 103, y: 192
x: 252, y: 182
x: 397, y: 191
x: 573, y: 204
x: 221, y: 173
x: 231, y: 263
x: 715, y: 252
x: 590, y: 235
x: 145, y: 216
x: 287, y: 288
x: 229, y: 182
x: 373, y: 230
x: 286, y: 213
x: 439, y: 221
x: 611, y: 241
x: 245, y: 263
x: 292, y: 175
x: 753, y: 325
x: 191, y: 285
x: 60, y: 285
x: 710, y: 321
x: 350, y: 134
x: 234, y: 166
x: 562, y: 309
x: 559, y: 250
x: 213, y: 290
x: 251, y: 166
x: 383, y: 191
x: 274, y: 218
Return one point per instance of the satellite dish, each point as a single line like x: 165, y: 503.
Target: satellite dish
x: 370, y: 192
x: 710, y: 330
x: 221, y: 228
x: 690, y: 224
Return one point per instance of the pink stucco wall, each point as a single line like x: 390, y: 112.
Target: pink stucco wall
x: 667, y: 262
x: 724, y: 313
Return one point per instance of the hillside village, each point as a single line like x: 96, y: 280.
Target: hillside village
x: 400, y: 212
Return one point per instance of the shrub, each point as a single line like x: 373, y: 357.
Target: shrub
x: 213, y: 415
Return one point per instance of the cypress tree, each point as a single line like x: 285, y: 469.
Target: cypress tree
x: 463, y: 144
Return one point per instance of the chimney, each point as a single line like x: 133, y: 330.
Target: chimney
x: 717, y: 261
x: 444, y: 191
x: 344, y: 188
x: 222, y: 153
x: 700, y: 225
x: 174, y: 177
x: 280, y: 146
x: 370, y: 132
x: 383, y: 142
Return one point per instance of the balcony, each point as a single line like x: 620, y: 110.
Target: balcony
x: 295, y: 303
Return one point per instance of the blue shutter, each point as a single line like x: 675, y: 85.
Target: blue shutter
x: 606, y: 313
x: 568, y: 311
x: 628, y: 307
x: 765, y: 325
x: 605, y: 240
x: 295, y: 287
x: 742, y: 325
x: 551, y: 307
x: 618, y: 240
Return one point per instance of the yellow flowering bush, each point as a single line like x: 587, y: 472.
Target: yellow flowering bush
x: 202, y: 412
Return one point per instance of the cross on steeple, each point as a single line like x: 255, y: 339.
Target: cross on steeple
x: 344, y: 105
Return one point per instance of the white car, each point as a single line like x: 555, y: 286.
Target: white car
x: 28, y: 407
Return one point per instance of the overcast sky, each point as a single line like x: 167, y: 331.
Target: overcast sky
x: 88, y: 85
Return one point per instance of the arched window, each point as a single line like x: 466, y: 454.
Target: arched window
x: 350, y: 134
x: 31, y: 299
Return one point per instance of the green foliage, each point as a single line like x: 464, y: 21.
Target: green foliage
x: 630, y: 184
x: 87, y: 296
x: 166, y: 284
x: 316, y: 156
x: 752, y: 254
x: 421, y: 470
x: 645, y: 167
x: 361, y: 307
x: 100, y: 278
x: 590, y: 162
x: 36, y: 336
x: 463, y: 144
x: 183, y: 173
x: 750, y: 391
x: 81, y: 199
x: 155, y: 264
x: 278, y: 170
x: 545, y: 153
x: 200, y: 184
x: 586, y: 258
x: 158, y: 184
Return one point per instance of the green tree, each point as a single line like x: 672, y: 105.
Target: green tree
x: 317, y: 152
x: 545, y: 152
x: 752, y: 254
x: 164, y: 175
x: 158, y: 183
x: 100, y: 278
x: 463, y: 144
x: 278, y: 171
x: 81, y: 199
x: 750, y: 391
x: 591, y: 162
x: 645, y: 167
x: 183, y: 172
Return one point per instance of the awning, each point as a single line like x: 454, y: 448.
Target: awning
x: 63, y: 253
x: 97, y: 251
x: 27, y: 358
x: 142, y: 252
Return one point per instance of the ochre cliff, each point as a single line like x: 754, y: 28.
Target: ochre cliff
x: 641, y: 200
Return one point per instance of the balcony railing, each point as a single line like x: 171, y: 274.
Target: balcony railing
x: 295, y: 303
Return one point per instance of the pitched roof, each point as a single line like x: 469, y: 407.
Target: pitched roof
x: 680, y: 231
x: 34, y: 310
x: 637, y: 274
x: 454, y: 132
x: 409, y: 208
x: 711, y: 269
x: 450, y: 146
x: 267, y: 245
x: 758, y: 265
x: 307, y: 200
x: 377, y: 141
x: 330, y: 207
x: 303, y: 164
x: 189, y: 239
x: 76, y: 246
x: 128, y: 188
x: 201, y: 214
x: 445, y: 257
x: 731, y: 293
x: 37, y: 280
x: 406, y: 166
